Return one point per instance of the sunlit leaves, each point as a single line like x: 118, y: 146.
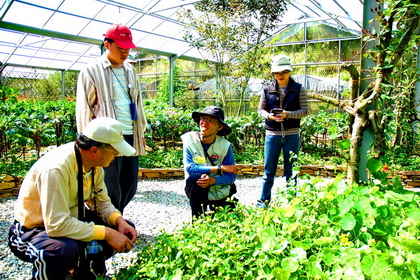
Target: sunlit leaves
x: 373, y: 234
x: 348, y: 222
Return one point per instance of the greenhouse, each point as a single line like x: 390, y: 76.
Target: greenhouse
x: 43, y: 41
x: 346, y: 75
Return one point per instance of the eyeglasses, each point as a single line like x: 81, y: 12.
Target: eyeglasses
x: 116, y: 153
x: 208, y: 120
x: 282, y: 73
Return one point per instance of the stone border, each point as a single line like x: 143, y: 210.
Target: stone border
x: 410, y: 179
x: 246, y: 170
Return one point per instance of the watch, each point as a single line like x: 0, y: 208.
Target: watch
x: 219, y: 170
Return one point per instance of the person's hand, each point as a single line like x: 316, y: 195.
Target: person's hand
x: 206, y: 181
x: 125, y: 228
x: 143, y: 141
x: 118, y: 241
x: 279, y: 118
x: 230, y: 168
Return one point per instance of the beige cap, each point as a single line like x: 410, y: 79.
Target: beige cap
x: 108, y: 131
x: 280, y: 63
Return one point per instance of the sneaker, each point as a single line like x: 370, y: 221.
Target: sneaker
x: 262, y: 204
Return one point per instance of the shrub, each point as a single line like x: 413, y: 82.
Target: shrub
x: 314, y: 231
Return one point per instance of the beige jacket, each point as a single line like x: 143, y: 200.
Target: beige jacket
x: 48, y: 197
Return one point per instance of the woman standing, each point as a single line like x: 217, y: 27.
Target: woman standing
x: 283, y: 103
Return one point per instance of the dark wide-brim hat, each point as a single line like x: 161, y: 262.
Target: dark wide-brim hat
x: 215, y: 112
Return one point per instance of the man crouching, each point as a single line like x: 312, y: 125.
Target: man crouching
x: 63, y: 205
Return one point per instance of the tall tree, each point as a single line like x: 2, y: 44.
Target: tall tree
x: 393, y: 87
x: 233, y: 33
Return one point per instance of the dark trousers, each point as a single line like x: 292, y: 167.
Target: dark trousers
x: 52, y: 257
x: 198, y: 197
x: 121, y: 178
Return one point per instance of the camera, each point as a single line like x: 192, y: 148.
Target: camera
x: 277, y: 111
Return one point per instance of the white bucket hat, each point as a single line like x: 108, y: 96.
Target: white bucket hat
x: 280, y: 63
x: 108, y: 131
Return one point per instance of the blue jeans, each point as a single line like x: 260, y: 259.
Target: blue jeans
x: 274, y: 145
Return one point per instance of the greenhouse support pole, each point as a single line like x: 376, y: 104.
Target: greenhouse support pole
x: 417, y: 95
x: 63, y: 84
x: 366, y: 64
x: 171, y: 80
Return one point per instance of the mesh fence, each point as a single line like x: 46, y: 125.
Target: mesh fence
x: 41, y: 84
x: 47, y: 85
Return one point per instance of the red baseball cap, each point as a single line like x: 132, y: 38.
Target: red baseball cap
x: 121, y: 35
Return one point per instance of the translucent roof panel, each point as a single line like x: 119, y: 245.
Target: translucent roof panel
x: 66, y: 34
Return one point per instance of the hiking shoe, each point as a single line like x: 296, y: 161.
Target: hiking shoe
x: 262, y: 204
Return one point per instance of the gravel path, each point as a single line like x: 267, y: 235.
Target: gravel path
x: 158, y: 204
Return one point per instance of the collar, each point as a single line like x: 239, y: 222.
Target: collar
x: 105, y: 63
x: 76, y: 167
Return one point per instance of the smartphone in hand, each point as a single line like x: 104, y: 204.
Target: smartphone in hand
x: 277, y: 111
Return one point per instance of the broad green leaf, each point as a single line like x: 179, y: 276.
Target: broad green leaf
x: 379, y: 267
x: 374, y: 189
x: 397, y: 196
x: 346, y: 205
x: 348, y: 222
x: 394, y: 243
x: 412, y: 245
x: 383, y: 211
x: 329, y: 196
x: 302, y: 244
x: 329, y: 256
x: 333, y: 211
x: 290, y: 264
x: 279, y: 247
x: 268, y: 239
x: 362, y: 203
x: 298, y: 253
x: 281, y: 274
x: 344, y: 144
x: 293, y: 227
x: 177, y: 275
x: 178, y: 255
x: 295, y: 201
x: 380, y: 229
x: 374, y: 165
x: 365, y: 237
x: 414, y: 214
x: 367, y: 264
x: 288, y: 211
x: 314, y: 269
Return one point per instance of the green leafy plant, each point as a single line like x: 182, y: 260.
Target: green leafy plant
x: 181, y: 95
x: 162, y: 158
x: 28, y: 126
x: 317, y: 230
x: 325, y: 131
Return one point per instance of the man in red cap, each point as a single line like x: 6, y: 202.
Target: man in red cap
x: 109, y: 87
